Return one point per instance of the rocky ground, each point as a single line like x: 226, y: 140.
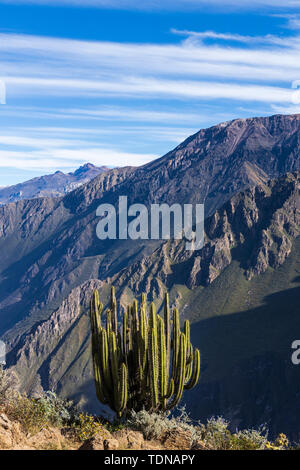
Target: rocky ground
x: 12, y: 437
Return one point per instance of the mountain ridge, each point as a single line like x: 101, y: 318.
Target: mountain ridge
x: 56, y: 353
x: 63, y: 250
x: 215, y: 166
x: 53, y: 185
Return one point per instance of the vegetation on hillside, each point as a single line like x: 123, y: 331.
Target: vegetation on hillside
x: 51, y: 423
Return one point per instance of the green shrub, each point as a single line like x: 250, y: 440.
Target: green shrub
x: 155, y: 425
x: 35, y: 414
x: 250, y: 439
x: 87, y: 426
x: 57, y: 411
x: 27, y: 413
x: 214, y: 435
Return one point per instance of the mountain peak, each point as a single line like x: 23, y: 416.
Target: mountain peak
x: 84, y: 168
x: 54, y: 185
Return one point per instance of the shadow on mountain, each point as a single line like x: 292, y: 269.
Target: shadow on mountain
x: 247, y: 373
x: 90, y: 402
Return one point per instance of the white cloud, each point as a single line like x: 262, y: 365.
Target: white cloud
x: 47, y: 152
x: 161, y: 4
x: 288, y: 109
x: 114, y: 119
x: 115, y: 113
x: 54, y: 60
x: 292, y: 20
x: 63, y: 67
x: 66, y: 158
x: 31, y: 142
x: 136, y: 86
x: 175, y: 77
x: 270, y: 39
x: 42, y: 137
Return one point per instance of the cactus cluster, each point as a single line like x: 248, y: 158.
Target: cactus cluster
x: 147, y: 362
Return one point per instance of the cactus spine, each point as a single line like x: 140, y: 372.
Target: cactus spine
x: 141, y: 364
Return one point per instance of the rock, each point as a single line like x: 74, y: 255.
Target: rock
x: 5, y: 423
x: 177, y: 440
x: 47, y: 439
x: 5, y: 439
x: 13, y: 437
x: 129, y: 439
x: 123, y: 439
x: 96, y: 442
x: 199, y: 445
x: 10, y: 433
x: 135, y: 440
x: 6, y: 436
x: 68, y: 433
x: 152, y: 445
x: 111, y: 444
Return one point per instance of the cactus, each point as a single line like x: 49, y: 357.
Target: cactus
x: 141, y: 365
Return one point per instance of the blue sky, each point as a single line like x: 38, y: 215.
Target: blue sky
x: 121, y: 82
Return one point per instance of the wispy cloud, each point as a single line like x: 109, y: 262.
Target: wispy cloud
x: 292, y: 21
x: 179, y: 71
x: 42, y: 154
x: 269, y: 39
x: 160, y: 4
x: 108, y: 84
x: 153, y: 87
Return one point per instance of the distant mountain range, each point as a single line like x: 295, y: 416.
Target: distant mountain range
x: 241, y: 291
x: 54, y: 185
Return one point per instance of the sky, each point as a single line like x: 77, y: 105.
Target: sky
x: 122, y: 82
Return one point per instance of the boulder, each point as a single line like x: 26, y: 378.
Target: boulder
x: 129, y: 439
x: 111, y: 444
x: 5, y: 422
x: 199, y: 445
x: 96, y: 442
x: 177, y: 440
x: 6, y: 438
x: 10, y: 433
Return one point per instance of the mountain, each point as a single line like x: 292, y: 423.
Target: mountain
x: 55, y: 185
x: 240, y: 290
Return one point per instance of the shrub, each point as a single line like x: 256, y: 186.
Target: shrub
x: 155, y: 425
x: 87, y: 426
x: 217, y: 436
x: 35, y: 414
x: 281, y: 443
x: 27, y: 413
x: 250, y: 439
x: 57, y: 411
x: 214, y: 435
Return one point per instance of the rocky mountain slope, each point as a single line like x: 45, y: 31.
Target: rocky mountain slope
x: 51, y: 260
x: 55, y: 185
x: 245, y: 260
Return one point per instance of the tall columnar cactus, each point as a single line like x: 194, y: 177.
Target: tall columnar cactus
x: 147, y: 362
